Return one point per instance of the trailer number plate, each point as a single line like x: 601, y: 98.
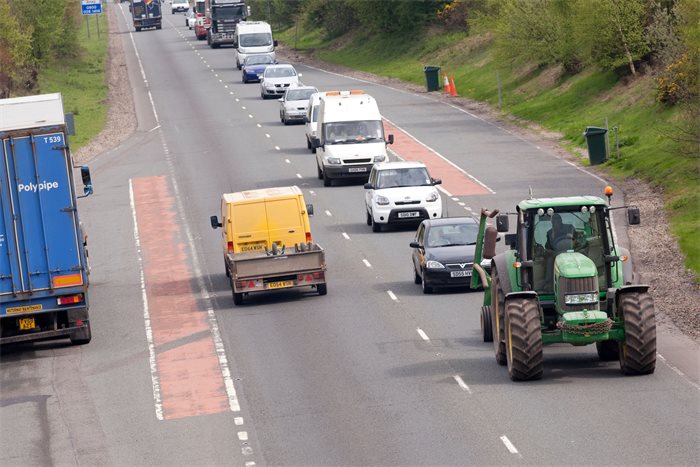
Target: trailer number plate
x: 280, y: 284
x: 24, y: 309
x: 26, y: 324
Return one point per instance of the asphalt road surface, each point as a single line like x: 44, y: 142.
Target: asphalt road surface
x: 373, y: 373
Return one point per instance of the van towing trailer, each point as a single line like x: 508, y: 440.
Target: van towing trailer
x: 43, y: 248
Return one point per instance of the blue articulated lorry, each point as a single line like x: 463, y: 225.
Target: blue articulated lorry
x: 146, y: 14
x: 43, y: 255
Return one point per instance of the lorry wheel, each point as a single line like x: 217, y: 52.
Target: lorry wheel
x: 326, y: 180
x: 498, y: 299
x: 237, y: 298
x: 486, y: 326
x: 320, y: 173
x: 322, y: 289
x: 608, y: 351
x: 81, y: 337
x: 638, y: 350
x: 523, y: 339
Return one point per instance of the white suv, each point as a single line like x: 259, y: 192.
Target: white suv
x: 399, y: 193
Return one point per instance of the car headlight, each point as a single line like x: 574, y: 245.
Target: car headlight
x: 379, y: 158
x: 434, y: 265
x: 333, y: 160
x: 581, y: 298
x: 432, y: 197
x: 382, y: 200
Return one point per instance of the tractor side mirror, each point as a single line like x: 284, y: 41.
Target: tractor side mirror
x: 502, y: 223
x: 490, y: 239
x: 310, y: 209
x: 214, y: 220
x: 633, y: 217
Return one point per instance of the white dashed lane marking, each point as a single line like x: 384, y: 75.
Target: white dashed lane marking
x: 367, y: 263
x: 392, y: 295
x: 328, y: 213
x: 462, y: 384
x: 238, y: 421
x: 299, y: 176
x: 345, y: 236
x: 509, y: 445
x: 422, y: 334
x: 243, y: 435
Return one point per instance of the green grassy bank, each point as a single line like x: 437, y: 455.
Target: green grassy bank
x: 82, y: 82
x: 562, y: 103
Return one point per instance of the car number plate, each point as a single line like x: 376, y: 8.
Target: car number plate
x: 409, y: 214
x: 280, y: 284
x: 24, y: 309
x: 460, y: 274
x: 357, y: 169
x: 253, y: 247
x: 26, y: 323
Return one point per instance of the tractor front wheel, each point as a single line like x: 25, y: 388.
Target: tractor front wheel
x: 523, y: 339
x: 498, y: 299
x: 638, y: 350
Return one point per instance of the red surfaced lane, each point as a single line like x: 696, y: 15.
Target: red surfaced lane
x: 190, y: 378
x: 456, y: 181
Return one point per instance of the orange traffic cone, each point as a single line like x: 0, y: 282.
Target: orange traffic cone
x: 453, y: 89
x: 446, y: 83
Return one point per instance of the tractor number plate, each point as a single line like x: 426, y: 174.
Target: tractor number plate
x: 26, y: 324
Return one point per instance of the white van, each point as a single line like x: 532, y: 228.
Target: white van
x: 253, y: 38
x: 312, y: 119
x: 350, y: 136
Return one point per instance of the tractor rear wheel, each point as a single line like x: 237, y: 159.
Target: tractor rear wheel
x: 498, y: 299
x: 608, y: 351
x: 486, y: 326
x: 638, y: 350
x: 523, y: 339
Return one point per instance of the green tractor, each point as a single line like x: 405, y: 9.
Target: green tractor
x: 563, y: 280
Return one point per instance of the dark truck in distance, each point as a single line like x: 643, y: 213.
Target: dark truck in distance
x: 222, y: 16
x: 146, y: 14
x: 43, y: 256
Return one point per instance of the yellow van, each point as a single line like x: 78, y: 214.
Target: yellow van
x: 264, y: 225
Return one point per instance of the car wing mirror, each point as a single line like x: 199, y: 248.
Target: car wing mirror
x: 414, y: 245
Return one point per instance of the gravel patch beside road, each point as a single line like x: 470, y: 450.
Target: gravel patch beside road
x: 657, y: 257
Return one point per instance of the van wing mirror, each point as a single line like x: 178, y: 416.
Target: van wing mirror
x: 87, y: 181
x: 315, y: 143
x: 502, y: 223
x: 310, y: 209
x: 369, y: 186
x: 390, y: 139
x: 274, y: 43
x: 633, y: 217
x: 437, y: 181
x: 215, y: 224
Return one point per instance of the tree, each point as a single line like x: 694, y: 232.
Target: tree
x: 16, y: 61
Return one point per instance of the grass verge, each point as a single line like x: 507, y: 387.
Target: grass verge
x: 82, y: 81
x: 558, y: 102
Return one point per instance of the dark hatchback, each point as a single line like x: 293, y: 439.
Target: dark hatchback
x: 254, y: 66
x: 443, y: 252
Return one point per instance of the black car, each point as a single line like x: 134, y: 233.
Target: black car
x: 443, y: 252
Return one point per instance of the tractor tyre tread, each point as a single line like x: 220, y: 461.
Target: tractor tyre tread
x: 524, y: 339
x: 638, y: 350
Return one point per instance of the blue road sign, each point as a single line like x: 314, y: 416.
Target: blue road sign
x: 91, y: 7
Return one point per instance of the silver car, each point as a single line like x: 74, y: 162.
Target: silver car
x: 276, y: 79
x: 294, y: 103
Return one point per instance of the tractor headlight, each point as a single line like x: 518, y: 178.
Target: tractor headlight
x: 432, y: 197
x: 581, y: 298
x: 434, y: 265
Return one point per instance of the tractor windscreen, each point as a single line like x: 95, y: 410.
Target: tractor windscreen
x: 577, y: 231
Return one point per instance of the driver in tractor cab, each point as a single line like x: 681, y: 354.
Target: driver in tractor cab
x: 559, y: 238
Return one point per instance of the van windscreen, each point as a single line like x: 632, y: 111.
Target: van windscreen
x: 353, y: 132
x: 255, y: 39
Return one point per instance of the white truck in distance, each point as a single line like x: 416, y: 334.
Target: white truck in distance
x: 350, y: 136
x: 253, y: 38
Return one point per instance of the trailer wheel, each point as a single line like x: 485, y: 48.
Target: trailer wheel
x: 82, y: 336
x: 486, y: 325
x: 497, y: 308
x: 237, y: 298
x: 638, y: 350
x: 322, y: 289
x: 608, y: 351
x: 523, y: 339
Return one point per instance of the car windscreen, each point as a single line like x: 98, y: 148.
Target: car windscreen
x: 258, y: 60
x: 413, y: 176
x: 353, y: 132
x: 452, y: 235
x: 255, y: 39
x: 280, y: 72
x: 299, y: 94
